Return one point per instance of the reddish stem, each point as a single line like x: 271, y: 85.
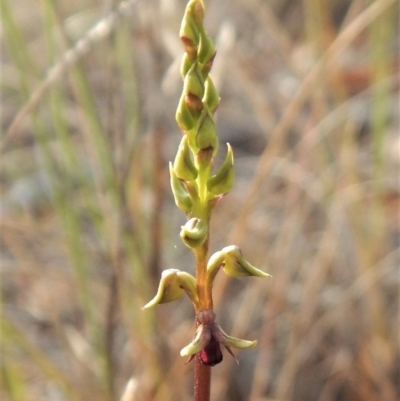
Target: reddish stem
x: 202, y: 381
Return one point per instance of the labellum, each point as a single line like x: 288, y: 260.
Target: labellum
x: 211, y: 354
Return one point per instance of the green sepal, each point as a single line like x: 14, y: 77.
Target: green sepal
x: 186, y: 64
x: 206, y: 134
x: 189, y: 35
x: 173, y: 284
x: 197, y: 11
x: 230, y: 341
x: 194, y: 82
x: 200, y: 340
x: 183, y: 165
x: 206, y: 50
x: 211, y: 97
x: 222, y: 182
x: 181, y: 196
x: 194, y: 232
x: 235, y: 265
x: 183, y: 116
x: 213, y: 265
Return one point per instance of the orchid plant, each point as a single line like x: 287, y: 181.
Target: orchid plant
x: 196, y: 191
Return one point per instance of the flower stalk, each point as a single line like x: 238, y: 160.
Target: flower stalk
x: 196, y: 191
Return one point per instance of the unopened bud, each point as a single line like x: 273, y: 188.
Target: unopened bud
x: 198, y: 13
x: 193, y: 82
x: 194, y: 232
x: 211, y: 97
x: 194, y: 104
x: 208, y: 65
x: 181, y: 196
x: 183, y: 116
x: 206, y: 50
x: 186, y: 63
x: 184, y: 167
x: 222, y: 182
x: 206, y: 135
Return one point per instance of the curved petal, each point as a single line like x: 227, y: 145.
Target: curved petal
x: 173, y: 285
x: 200, y: 340
x: 237, y: 266
x: 230, y: 341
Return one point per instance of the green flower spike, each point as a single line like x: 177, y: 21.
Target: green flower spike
x: 208, y: 338
x: 173, y: 284
x: 194, y: 232
x: 196, y: 191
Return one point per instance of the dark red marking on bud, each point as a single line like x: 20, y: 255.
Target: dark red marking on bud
x: 189, y: 46
x: 208, y: 64
x: 193, y: 102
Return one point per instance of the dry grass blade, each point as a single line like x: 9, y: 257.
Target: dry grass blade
x: 98, y: 33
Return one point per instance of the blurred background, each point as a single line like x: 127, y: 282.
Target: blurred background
x: 310, y: 103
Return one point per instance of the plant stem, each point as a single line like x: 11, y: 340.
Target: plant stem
x: 202, y: 373
x: 202, y: 381
x: 203, y: 290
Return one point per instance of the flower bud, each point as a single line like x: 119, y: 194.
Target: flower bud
x: 181, y: 196
x: 173, y: 284
x: 194, y: 104
x: 183, y: 165
x: 189, y: 35
x: 198, y: 13
x: 206, y: 50
x: 185, y: 64
x: 235, y: 265
x: 206, y: 135
x: 194, y: 232
x: 183, y: 116
x: 190, y: 47
x: 211, y: 97
x: 222, y: 182
x: 193, y: 82
x: 208, y: 65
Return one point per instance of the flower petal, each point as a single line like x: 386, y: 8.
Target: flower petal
x: 173, y: 284
x: 235, y: 265
x: 200, y: 340
x: 230, y: 341
x: 211, y: 354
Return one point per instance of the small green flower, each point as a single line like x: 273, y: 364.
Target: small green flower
x: 194, y: 232
x: 173, y: 284
x: 233, y: 263
x: 207, y: 340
